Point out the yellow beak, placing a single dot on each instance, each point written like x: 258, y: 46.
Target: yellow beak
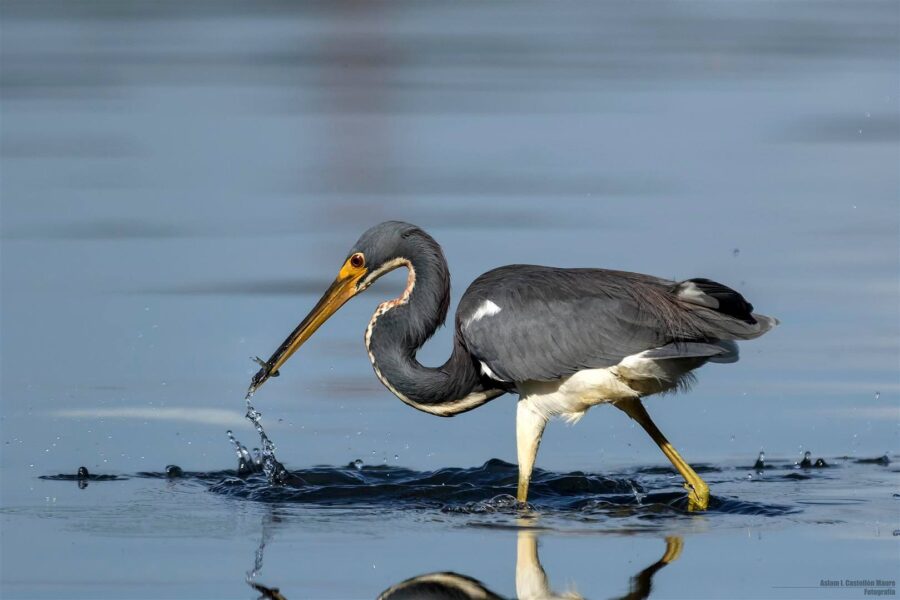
x: 343, y: 288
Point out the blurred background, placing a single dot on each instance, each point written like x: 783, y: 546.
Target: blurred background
x: 180, y: 181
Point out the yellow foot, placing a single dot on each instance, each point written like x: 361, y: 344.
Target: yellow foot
x: 698, y: 495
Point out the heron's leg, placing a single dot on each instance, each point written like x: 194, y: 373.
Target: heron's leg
x: 531, y: 580
x: 642, y: 583
x: 674, y: 546
x: 529, y: 429
x: 698, y: 491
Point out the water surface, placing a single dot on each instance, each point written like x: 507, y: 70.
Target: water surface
x: 180, y: 182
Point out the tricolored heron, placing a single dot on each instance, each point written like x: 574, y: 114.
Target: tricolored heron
x: 563, y: 339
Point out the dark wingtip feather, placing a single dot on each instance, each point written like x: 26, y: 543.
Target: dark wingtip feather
x: 717, y: 296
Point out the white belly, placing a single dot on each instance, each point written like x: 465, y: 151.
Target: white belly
x: 650, y: 372
x: 571, y: 396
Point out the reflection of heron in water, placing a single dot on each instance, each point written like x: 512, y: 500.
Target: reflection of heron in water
x: 531, y: 580
x: 266, y: 593
x: 643, y: 581
x: 563, y: 339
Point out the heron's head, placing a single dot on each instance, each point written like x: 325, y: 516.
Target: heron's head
x: 379, y: 250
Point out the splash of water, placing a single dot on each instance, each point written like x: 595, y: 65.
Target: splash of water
x: 265, y: 459
x: 246, y: 464
x: 760, y: 463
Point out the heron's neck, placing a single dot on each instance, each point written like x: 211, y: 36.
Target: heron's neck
x: 401, y: 326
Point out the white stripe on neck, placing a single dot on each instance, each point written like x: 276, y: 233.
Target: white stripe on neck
x: 444, y: 409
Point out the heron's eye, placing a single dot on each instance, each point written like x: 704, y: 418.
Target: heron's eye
x: 357, y: 261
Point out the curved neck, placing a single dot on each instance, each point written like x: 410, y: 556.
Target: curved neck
x: 401, y: 326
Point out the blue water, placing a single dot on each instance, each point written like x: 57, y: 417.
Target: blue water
x: 181, y: 181
x: 335, y: 520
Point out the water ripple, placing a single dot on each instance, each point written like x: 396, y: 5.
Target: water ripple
x: 486, y: 489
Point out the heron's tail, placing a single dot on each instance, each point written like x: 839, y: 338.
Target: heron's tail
x: 720, y: 312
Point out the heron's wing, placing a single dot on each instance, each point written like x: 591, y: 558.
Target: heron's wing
x: 524, y: 322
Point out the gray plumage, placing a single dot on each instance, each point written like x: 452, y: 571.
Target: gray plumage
x: 554, y: 322
x: 564, y: 339
x: 551, y: 323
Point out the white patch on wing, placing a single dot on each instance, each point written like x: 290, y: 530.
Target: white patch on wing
x: 691, y: 292
x: 487, y: 371
x: 485, y: 310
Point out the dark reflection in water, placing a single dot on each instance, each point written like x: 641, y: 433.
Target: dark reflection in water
x: 532, y: 581
x: 83, y: 477
x: 270, y: 518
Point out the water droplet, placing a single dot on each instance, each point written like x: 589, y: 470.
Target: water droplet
x: 877, y: 396
x: 274, y: 470
x: 638, y: 496
x: 396, y: 457
x: 358, y: 464
x: 760, y: 461
x: 736, y: 252
x: 806, y: 462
